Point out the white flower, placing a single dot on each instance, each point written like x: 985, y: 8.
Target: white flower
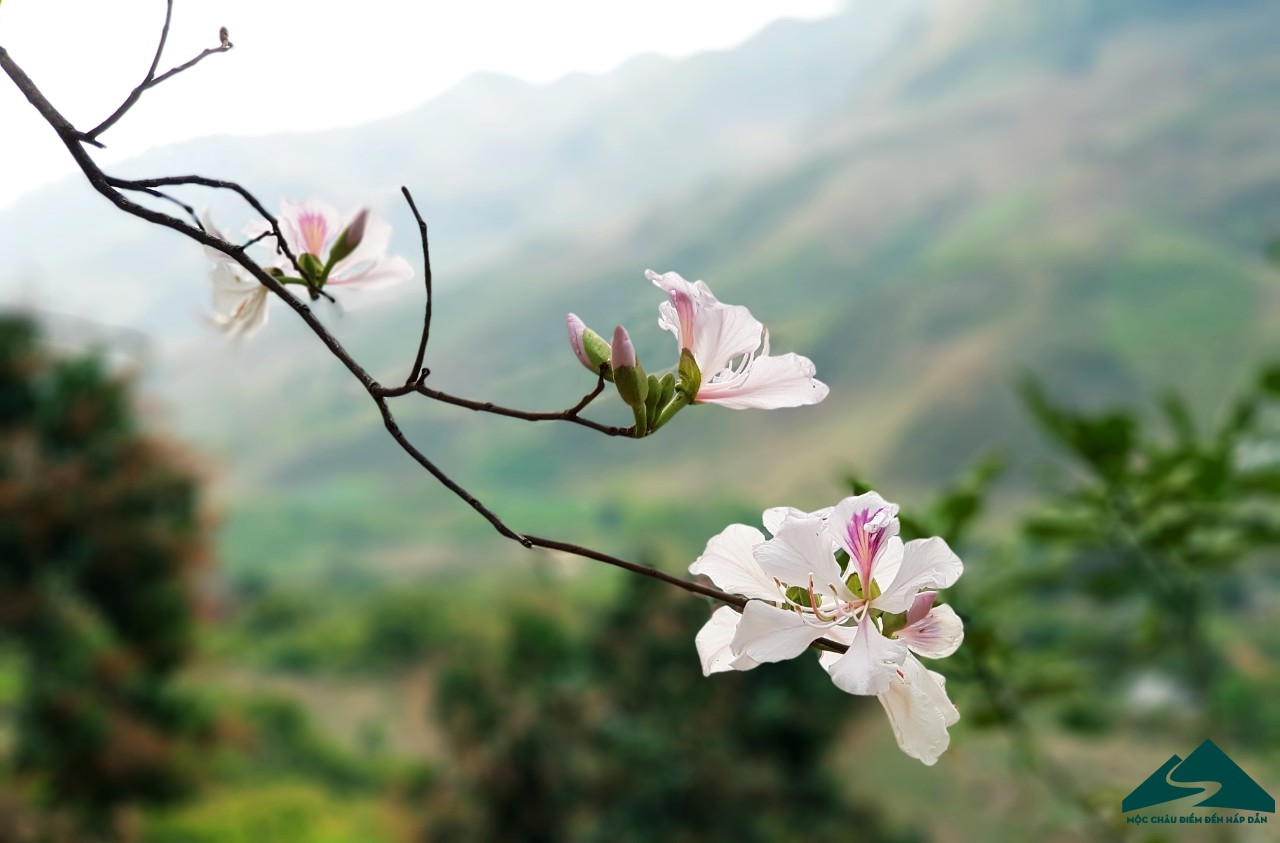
x: 880, y: 605
x: 239, y: 301
x: 731, y: 349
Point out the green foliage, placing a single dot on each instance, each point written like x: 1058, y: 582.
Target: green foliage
x: 616, y: 735
x: 281, y: 812
x: 100, y: 540
x: 1158, y: 529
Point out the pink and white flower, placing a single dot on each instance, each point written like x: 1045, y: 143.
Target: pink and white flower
x: 731, y: 349
x: 880, y: 604
x: 314, y: 228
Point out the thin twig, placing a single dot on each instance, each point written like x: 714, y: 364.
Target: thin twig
x: 219, y: 184
x: 569, y: 415
x: 191, y: 212
x: 151, y: 80
x: 257, y: 239
x: 417, y: 374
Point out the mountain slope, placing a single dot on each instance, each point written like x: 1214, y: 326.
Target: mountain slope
x: 1081, y: 192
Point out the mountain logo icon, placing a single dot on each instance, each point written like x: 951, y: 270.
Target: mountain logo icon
x: 1206, y: 771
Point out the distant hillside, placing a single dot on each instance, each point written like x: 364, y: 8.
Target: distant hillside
x: 977, y: 191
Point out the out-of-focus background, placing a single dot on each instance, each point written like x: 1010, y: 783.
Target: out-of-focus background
x: 1031, y: 247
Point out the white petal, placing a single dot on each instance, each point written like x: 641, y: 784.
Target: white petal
x: 801, y: 553
x: 919, y: 712
x: 887, y: 562
x: 774, y: 516
x: 769, y: 634
x: 728, y: 562
x: 381, y: 273
x: 248, y: 317
x: 926, y: 564
x: 723, y: 333
x: 936, y: 635
x: 770, y: 383
x: 713, y: 642
x: 871, y: 662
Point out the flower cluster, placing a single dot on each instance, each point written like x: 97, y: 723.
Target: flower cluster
x: 842, y: 574
x: 329, y: 252
x: 724, y: 359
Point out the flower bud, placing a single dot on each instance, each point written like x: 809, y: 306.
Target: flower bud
x: 628, y: 375
x: 589, y: 347
x: 350, y: 237
x: 313, y: 272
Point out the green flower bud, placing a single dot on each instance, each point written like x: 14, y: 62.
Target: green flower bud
x: 313, y: 272
x: 628, y: 374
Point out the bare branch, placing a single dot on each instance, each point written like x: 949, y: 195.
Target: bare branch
x: 569, y: 415
x: 417, y: 374
x: 220, y: 184
x: 191, y: 212
x: 151, y: 80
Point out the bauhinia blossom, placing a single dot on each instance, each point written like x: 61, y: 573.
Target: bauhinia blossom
x: 881, y: 604
x: 328, y: 254
x: 239, y: 301
x: 336, y: 253
x: 731, y: 349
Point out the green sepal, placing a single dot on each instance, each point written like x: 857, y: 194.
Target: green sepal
x: 651, y: 401
x: 690, y: 376
x: 668, y: 389
x: 678, y: 402
x: 892, y: 623
x: 313, y: 272
x: 799, y: 596
x: 598, y: 352
x: 632, y: 384
x: 642, y: 421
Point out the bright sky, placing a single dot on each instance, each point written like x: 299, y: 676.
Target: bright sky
x: 314, y: 64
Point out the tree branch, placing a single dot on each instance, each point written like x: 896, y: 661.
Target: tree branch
x: 569, y: 415
x: 151, y: 80
x: 110, y: 187
x: 417, y: 374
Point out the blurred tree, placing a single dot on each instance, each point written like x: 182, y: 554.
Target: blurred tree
x: 100, y: 540
x: 1155, y: 532
x: 613, y: 734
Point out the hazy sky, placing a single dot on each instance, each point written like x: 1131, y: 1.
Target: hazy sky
x: 312, y: 64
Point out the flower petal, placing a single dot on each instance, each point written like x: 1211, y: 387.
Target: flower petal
x: 381, y: 273
x: 799, y: 554
x: 769, y: 634
x: 713, y: 642
x: 919, y: 712
x: 308, y: 226
x: 926, y: 564
x: 936, y: 635
x: 774, y: 516
x: 729, y: 563
x: 863, y: 525
x: 723, y: 333
x: 770, y: 383
x: 871, y: 662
